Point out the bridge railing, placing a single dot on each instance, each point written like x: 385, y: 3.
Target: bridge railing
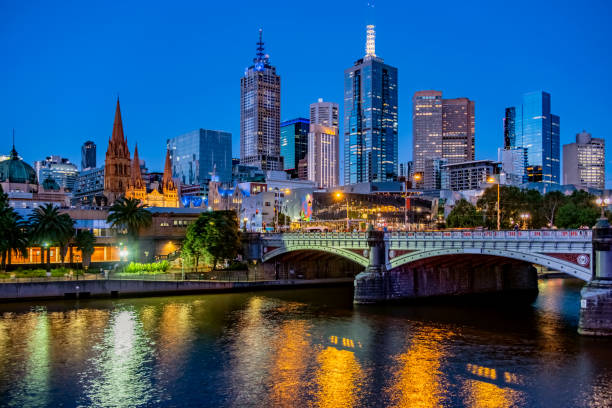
x: 563, y: 235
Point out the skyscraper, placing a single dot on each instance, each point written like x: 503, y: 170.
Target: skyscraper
x: 324, y: 113
x: 509, y: 129
x: 370, y: 118
x: 426, y: 129
x: 88, y: 155
x: 323, y: 147
x: 294, y: 143
x: 584, y: 162
x: 441, y: 128
x: 260, y: 113
x: 458, y: 126
x: 197, y: 154
x: 538, y: 131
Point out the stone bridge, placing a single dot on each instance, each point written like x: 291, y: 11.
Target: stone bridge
x: 409, y: 265
x: 568, y: 251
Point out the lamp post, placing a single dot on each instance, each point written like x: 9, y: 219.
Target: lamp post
x: 339, y: 196
x: 602, y: 203
x: 417, y: 178
x: 492, y: 180
x: 525, y: 217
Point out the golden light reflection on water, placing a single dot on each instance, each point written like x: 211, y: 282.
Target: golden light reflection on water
x: 339, y: 378
x: 175, y: 333
x: 293, y: 352
x: 418, y: 380
x: 36, y: 381
x: 481, y: 394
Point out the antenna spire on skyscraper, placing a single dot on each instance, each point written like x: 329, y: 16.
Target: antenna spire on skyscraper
x: 370, y: 41
x: 260, y: 56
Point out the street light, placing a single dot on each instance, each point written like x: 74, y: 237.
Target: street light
x: 339, y: 196
x: 492, y: 180
x: 525, y: 217
x: 602, y: 203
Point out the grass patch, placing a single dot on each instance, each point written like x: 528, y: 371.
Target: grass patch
x: 40, y: 273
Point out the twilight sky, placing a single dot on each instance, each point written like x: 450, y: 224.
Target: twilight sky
x: 177, y: 65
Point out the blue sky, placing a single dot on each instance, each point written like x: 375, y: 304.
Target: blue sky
x: 177, y: 65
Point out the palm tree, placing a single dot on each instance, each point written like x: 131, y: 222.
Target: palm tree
x: 130, y: 215
x: 84, y: 240
x: 49, y: 227
x: 13, y: 235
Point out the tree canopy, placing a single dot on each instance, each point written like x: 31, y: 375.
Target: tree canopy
x: 464, y: 215
x: 213, y: 237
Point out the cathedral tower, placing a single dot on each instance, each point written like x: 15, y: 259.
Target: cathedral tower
x: 117, y: 166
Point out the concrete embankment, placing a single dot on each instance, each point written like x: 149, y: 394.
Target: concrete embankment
x: 116, y: 288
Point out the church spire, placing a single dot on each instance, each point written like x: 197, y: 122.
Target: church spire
x: 137, y: 181
x: 117, y: 125
x: 167, y: 180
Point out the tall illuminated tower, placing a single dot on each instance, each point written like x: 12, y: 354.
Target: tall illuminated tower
x: 370, y: 118
x: 260, y: 113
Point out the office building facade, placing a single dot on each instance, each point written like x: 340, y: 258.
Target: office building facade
x: 197, y: 155
x: 89, y: 188
x: 294, y: 143
x: 370, y: 118
x: 513, y: 165
x: 59, y: 169
x: 324, y: 113
x: 323, y: 163
x: 537, y: 130
x: 441, y: 128
x: 472, y: 175
x: 88, y: 155
x: 584, y: 162
x: 260, y: 89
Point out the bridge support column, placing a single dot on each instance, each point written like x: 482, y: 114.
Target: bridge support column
x: 373, y: 284
x: 596, y: 296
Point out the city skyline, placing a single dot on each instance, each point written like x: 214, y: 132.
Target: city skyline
x: 71, y: 112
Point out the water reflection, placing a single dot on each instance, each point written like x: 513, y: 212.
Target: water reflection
x: 305, y: 348
x: 120, y: 375
x: 338, y: 377
x: 418, y: 380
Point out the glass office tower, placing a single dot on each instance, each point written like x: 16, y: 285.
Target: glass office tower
x: 260, y: 114
x: 199, y: 153
x: 538, y: 132
x: 370, y: 118
x: 294, y: 143
x: 88, y: 155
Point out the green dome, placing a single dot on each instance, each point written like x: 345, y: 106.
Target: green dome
x: 15, y: 170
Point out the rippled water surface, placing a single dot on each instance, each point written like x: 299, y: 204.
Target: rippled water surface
x: 300, y: 348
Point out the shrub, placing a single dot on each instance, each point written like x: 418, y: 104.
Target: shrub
x: 147, y: 268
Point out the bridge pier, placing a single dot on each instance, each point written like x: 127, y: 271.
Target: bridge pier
x: 373, y: 284
x: 596, y: 296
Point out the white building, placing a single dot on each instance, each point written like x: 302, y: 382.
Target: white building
x: 584, y: 162
x: 513, y: 165
x: 323, y: 160
x: 471, y: 175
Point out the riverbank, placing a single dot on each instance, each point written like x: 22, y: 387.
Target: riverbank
x: 74, y: 289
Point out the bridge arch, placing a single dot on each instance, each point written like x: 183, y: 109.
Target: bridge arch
x: 344, y: 253
x: 582, y: 273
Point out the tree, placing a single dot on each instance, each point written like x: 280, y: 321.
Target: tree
x: 464, y: 215
x: 551, y: 202
x: 13, y: 232
x: 213, y: 236
x: 513, y: 202
x: 48, y: 227
x: 580, y: 210
x: 130, y: 215
x: 223, y: 237
x: 193, y: 249
x: 84, y: 240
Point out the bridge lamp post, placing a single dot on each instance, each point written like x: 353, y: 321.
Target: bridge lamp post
x: 602, y: 203
x: 492, y: 180
x: 525, y: 217
x: 339, y: 196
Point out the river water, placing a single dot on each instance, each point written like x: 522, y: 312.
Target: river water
x: 308, y: 347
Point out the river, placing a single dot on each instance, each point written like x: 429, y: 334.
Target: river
x: 302, y: 348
